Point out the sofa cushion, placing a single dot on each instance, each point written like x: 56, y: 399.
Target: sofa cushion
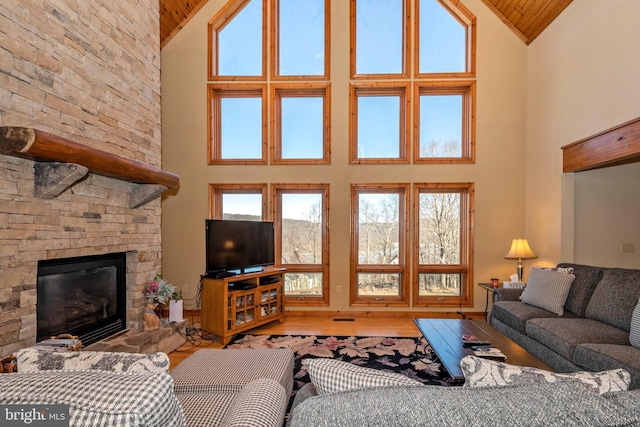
x: 228, y: 370
x: 563, y: 335
x: 547, y: 289
x: 33, y: 360
x: 615, y: 297
x: 261, y: 403
x: 330, y: 376
x: 595, y: 357
x: 516, y: 314
x: 529, y: 405
x: 205, y: 409
x: 98, y: 398
x: 587, y: 278
x: 634, y: 329
x: 479, y: 372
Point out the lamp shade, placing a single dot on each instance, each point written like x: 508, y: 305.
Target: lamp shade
x: 520, y: 250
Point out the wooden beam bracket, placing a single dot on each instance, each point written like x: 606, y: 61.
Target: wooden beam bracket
x: 141, y: 194
x: 61, y: 163
x: 53, y: 178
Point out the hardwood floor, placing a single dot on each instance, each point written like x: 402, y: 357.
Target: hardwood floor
x: 378, y: 326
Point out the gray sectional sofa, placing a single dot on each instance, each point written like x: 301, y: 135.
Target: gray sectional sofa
x: 592, y: 333
x: 494, y: 394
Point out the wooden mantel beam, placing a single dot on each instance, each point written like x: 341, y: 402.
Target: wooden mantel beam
x: 42, y: 146
x: 615, y: 146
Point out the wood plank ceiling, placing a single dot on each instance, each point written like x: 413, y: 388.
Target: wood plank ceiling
x: 526, y: 18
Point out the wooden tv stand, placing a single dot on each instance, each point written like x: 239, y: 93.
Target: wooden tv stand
x: 226, y: 311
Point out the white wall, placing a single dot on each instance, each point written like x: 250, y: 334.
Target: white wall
x: 498, y: 172
x: 582, y: 79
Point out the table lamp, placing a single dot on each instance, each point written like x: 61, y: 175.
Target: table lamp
x: 520, y: 250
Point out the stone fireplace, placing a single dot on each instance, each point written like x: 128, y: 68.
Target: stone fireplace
x: 88, y: 72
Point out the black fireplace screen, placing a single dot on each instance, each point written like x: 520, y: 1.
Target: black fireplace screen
x: 84, y: 296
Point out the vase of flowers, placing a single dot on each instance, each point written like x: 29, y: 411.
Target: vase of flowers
x: 157, y: 291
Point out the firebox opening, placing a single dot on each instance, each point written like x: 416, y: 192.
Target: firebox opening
x: 84, y: 296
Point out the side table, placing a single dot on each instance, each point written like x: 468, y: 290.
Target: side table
x: 489, y: 288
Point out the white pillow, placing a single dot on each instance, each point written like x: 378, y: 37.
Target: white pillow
x: 548, y: 289
x: 329, y: 375
x: 479, y: 372
x: 634, y: 329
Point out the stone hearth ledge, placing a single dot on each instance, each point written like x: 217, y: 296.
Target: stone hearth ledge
x: 166, y: 339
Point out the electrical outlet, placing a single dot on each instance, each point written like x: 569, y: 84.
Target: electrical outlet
x: 185, y: 288
x: 339, y: 289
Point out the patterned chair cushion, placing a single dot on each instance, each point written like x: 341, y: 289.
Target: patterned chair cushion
x: 330, y: 376
x: 634, y: 329
x: 228, y: 370
x: 34, y: 360
x: 261, y: 403
x: 547, y: 289
x: 480, y: 372
x: 98, y: 398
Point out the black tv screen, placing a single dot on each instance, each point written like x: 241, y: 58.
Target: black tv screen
x: 234, y: 246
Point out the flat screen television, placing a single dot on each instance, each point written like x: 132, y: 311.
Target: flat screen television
x: 234, y: 246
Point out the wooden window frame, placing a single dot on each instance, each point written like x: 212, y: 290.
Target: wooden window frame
x: 464, y: 16
x: 275, y: 48
x: 216, y: 24
x: 406, y: 34
x: 465, y: 268
x: 217, y: 191
x: 276, y: 212
x: 215, y: 93
x: 400, y: 89
x: 465, y: 88
x: 402, y: 268
x: 278, y: 91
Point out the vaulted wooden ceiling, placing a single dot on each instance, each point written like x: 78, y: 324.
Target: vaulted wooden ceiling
x: 526, y: 18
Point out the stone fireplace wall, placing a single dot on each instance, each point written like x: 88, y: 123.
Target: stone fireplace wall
x: 88, y: 71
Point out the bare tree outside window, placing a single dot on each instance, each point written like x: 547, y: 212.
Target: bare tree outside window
x: 378, y: 242
x: 302, y: 240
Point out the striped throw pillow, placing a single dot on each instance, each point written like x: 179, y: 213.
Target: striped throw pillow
x: 634, y: 330
x: 548, y: 290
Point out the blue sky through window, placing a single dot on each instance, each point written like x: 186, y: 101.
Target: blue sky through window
x: 379, y: 27
x: 240, y: 43
x: 302, y: 121
x: 301, y: 39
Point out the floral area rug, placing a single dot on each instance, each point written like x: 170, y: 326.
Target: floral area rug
x: 412, y: 357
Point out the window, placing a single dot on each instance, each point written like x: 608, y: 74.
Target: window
x: 443, y: 38
x: 237, y: 119
x: 381, y: 33
x: 443, y: 236
x: 302, y: 38
x: 238, y: 201
x: 442, y: 50
x: 445, y: 114
x: 302, y: 240
x: 238, y: 20
x: 379, y: 129
x: 379, y: 233
x: 243, y: 96
x: 302, y: 123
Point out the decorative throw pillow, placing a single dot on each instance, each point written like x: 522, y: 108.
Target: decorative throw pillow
x: 479, y: 372
x: 329, y: 375
x: 563, y: 270
x: 548, y: 290
x: 634, y: 330
x: 33, y: 360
